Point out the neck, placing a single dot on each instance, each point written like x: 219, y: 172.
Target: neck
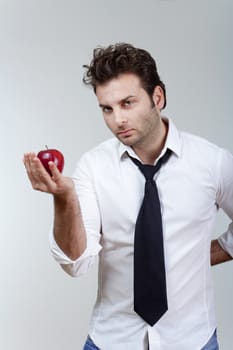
x: 150, y: 150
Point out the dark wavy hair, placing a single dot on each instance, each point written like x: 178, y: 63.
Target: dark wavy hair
x: 111, y: 61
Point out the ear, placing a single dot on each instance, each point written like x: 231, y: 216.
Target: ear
x: 158, y: 97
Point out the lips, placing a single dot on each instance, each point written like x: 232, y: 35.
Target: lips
x: 126, y: 132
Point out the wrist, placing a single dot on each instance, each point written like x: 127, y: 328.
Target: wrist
x: 67, y: 196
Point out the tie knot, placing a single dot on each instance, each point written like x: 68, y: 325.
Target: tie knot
x: 149, y: 170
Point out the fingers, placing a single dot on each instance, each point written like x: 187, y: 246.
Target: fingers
x: 37, y: 174
x: 33, y: 166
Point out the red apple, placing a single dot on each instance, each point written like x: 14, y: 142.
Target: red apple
x: 53, y: 155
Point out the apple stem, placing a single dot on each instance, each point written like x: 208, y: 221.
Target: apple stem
x: 46, y: 147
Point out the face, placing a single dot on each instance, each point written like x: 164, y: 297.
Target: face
x: 129, y: 112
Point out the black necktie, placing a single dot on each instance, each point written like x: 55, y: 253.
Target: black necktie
x: 150, y: 293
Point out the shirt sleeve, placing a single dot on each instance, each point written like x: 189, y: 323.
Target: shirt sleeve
x: 85, y: 189
x: 225, y: 198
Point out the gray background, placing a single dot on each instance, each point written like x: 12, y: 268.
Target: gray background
x: 43, y: 45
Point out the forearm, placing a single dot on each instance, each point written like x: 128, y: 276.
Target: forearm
x: 218, y: 254
x: 69, y: 231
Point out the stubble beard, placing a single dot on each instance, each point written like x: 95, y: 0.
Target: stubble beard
x: 130, y: 140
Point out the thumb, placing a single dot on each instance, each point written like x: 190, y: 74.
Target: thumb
x: 54, y: 171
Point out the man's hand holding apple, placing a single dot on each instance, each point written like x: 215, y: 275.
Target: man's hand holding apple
x: 50, y: 180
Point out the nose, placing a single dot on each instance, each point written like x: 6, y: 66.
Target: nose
x: 120, y: 117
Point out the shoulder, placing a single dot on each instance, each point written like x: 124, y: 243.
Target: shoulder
x: 197, y: 145
x: 106, y: 152
x: 107, y: 148
x: 201, y: 153
x: 198, y: 141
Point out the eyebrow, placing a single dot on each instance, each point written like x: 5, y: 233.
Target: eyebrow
x: 121, y: 101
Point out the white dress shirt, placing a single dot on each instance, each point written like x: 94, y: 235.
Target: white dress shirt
x: 196, y: 181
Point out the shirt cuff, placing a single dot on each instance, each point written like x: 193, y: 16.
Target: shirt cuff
x: 74, y: 267
x: 226, y: 240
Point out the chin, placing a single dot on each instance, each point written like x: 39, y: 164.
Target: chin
x: 127, y: 141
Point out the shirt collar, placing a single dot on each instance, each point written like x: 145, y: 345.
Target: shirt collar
x: 173, y: 142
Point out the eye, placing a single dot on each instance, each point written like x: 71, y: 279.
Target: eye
x: 127, y: 103
x: 106, y: 109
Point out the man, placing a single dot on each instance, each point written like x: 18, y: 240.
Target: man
x: 96, y: 211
